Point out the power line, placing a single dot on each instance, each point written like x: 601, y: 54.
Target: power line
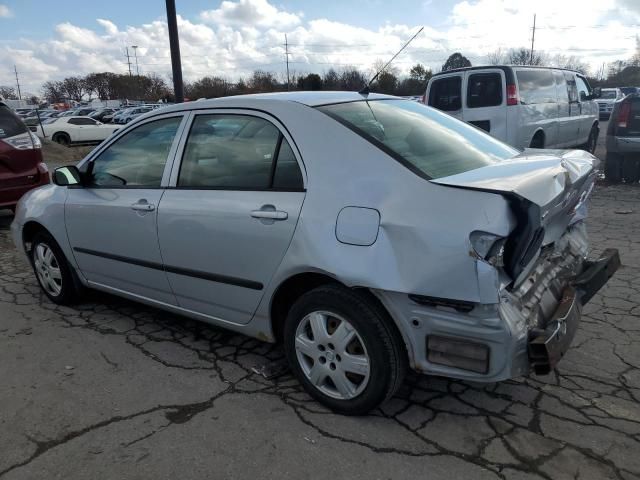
x: 533, y: 38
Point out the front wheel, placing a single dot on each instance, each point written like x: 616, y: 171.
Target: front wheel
x: 52, y: 270
x: 344, y: 349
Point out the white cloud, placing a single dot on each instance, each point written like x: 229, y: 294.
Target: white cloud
x: 5, y: 12
x: 243, y: 35
x: 251, y: 13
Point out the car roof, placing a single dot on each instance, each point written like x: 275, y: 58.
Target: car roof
x: 311, y: 99
x: 502, y: 67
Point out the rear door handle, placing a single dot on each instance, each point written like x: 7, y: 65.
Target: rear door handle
x: 143, y: 206
x: 270, y: 214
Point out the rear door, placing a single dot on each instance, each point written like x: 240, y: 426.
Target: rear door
x: 588, y: 109
x: 485, y: 104
x: 227, y: 223
x: 564, y: 113
x: 575, y: 110
x: 445, y: 93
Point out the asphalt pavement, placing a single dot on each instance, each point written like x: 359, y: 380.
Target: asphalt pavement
x: 110, y: 389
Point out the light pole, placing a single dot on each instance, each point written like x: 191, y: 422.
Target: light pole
x: 174, y: 45
x: 135, y: 53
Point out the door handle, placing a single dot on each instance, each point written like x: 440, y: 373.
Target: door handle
x: 269, y: 212
x: 143, y: 206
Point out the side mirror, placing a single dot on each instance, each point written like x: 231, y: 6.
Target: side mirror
x: 596, y: 93
x: 66, y: 176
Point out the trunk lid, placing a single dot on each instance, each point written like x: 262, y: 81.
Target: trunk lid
x: 546, y: 190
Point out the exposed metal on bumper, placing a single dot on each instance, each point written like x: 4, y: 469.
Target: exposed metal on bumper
x: 547, y: 346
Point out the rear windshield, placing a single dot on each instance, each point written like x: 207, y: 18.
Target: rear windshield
x: 10, y: 123
x: 430, y: 143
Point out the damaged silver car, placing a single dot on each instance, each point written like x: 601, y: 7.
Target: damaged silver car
x: 366, y: 233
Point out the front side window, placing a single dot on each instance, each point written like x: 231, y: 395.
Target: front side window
x: 446, y: 94
x: 237, y: 152
x: 583, y: 89
x: 136, y: 159
x: 428, y: 142
x: 484, y: 90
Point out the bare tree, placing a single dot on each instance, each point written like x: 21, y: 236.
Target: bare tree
x: 8, y: 92
x: 497, y: 57
x: 522, y: 56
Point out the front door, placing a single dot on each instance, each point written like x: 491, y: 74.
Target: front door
x: 575, y: 111
x: 225, y: 227
x: 111, y: 220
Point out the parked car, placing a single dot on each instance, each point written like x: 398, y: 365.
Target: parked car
x: 526, y: 107
x: 101, y: 113
x: 21, y: 165
x: 623, y: 141
x: 410, y: 238
x: 25, y: 112
x: 608, y: 97
x: 85, y: 111
x: 39, y: 116
x: 74, y: 130
x: 132, y: 114
x: 116, y: 117
x: 629, y: 90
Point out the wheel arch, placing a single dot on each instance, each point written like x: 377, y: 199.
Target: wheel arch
x: 539, y: 133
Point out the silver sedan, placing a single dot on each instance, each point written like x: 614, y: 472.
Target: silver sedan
x: 368, y: 234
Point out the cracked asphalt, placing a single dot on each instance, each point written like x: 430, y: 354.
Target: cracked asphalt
x: 113, y: 389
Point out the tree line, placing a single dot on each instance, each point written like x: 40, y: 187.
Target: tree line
x: 152, y: 87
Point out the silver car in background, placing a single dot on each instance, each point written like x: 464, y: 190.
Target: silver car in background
x: 365, y: 233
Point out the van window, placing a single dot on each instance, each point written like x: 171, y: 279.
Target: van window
x: 446, y: 93
x: 536, y: 86
x: 484, y: 90
x: 571, y: 87
x: 582, y: 86
x: 561, y: 87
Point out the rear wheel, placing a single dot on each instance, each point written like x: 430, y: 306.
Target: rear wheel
x: 52, y: 270
x: 537, y: 141
x: 630, y: 170
x: 62, y: 139
x: 613, y: 168
x: 592, y: 141
x: 343, y: 349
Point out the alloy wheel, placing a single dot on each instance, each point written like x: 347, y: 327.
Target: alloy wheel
x: 332, y: 355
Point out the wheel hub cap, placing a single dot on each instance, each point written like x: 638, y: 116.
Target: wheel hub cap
x: 48, y: 269
x: 332, y: 355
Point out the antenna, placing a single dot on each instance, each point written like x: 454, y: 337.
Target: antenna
x: 365, y: 89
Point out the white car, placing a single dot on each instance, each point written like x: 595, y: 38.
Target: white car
x: 526, y: 107
x: 608, y: 97
x: 73, y: 130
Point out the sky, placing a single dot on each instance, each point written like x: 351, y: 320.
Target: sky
x: 52, y: 39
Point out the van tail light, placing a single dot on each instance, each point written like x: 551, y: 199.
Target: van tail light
x: 24, y: 141
x: 623, y: 117
x: 512, y: 95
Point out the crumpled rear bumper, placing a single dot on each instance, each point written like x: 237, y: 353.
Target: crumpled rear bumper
x: 547, y: 346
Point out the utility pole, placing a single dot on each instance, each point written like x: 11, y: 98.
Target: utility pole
x: 17, y: 83
x: 174, y: 44
x: 286, y: 50
x: 135, y: 53
x: 128, y: 60
x: 533, y: 38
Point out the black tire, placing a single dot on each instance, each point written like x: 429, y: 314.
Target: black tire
x: 613, y: 168
x: 537, y: 141
x: 631, y: 170
x: 592, y: 141
x: 62, y: 139
x: 69, y: 285
x: 381, y: 342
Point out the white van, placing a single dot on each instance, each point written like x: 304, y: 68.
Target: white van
x: 526, y: 107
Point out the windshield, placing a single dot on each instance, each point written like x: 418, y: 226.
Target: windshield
x: 431, y: 143
x: 608, y: 94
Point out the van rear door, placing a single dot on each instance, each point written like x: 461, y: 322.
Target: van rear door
x: 445, y: 93
x: 485, y: 103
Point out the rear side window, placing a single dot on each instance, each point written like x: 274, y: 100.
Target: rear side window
x: 536, y: 86
x: 10, y: 123
x: 238, y: 152
x: 484, y: 90
x: 561, y: 87
x: 430, y: 143
x: 82, y: 121
x: 446, y: 94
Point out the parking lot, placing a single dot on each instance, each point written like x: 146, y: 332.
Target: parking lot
x: 113, y: 389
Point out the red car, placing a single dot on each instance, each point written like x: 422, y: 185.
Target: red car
x: 21, y: 166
